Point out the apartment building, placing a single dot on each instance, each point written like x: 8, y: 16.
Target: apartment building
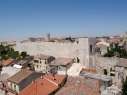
x: 41, y: 63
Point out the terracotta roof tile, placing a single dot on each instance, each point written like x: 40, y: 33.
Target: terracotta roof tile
x: 91, y: 70
x: 7, y: 62
x: 43, y: 86
x: 80, y: 86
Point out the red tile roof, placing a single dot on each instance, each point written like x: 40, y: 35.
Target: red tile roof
x: 7, y: 62
x: 43, y: 86
x: 91, y: 70
x: 80, y: 86
x: 58, y: 78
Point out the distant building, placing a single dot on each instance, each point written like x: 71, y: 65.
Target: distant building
x: 102, y: 47
x: 25, y: 62
x: 21, y: 80
x: 8, y: 72
x: 114, y: 67
x: 113, y: 90
x: 120, y: 72
x: 8, y: 43
x: 48, y: 37
x: 62, y: 64
x: 105, y: 81
x: 41, y: 63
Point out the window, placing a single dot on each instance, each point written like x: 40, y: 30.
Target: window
x: 37, y: 66
x: 36, y: 61
x: 105, y: 72
x: 78, y: 60
x: 91, y: 48
x: 77, y: 42
x: 14, y: 86
x: 110, y: 69
x: 111, y: 74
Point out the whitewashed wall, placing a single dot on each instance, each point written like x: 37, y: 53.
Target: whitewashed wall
x: 105, y: 63
x: 57, y: 49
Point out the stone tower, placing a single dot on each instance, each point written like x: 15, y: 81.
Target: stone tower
x: 48, y: 37
x: 86, y: 48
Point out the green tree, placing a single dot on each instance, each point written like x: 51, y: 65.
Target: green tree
x: 7, y: 52
x: 116, y: 50
x: 23, y: 54
x: 15, y: 54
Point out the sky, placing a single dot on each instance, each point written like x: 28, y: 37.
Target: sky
x: 20, y: 19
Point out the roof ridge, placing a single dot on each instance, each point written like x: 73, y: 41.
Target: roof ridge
x: 51, y: 81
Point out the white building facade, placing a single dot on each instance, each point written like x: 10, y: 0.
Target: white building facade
x: 80, y: 50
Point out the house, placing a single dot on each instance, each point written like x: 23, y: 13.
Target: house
x: 101, y: 47
x: 41, y: 63
x: 45, y: 85
x: 113, y: 90
x: 120, y: 72
x: 21, y: 80
x: 25, y: 63
x: 7, y: 72
x: 114, y: 67
x: 106, y: 65
x: 62, y: 64
x: 105, y: 81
